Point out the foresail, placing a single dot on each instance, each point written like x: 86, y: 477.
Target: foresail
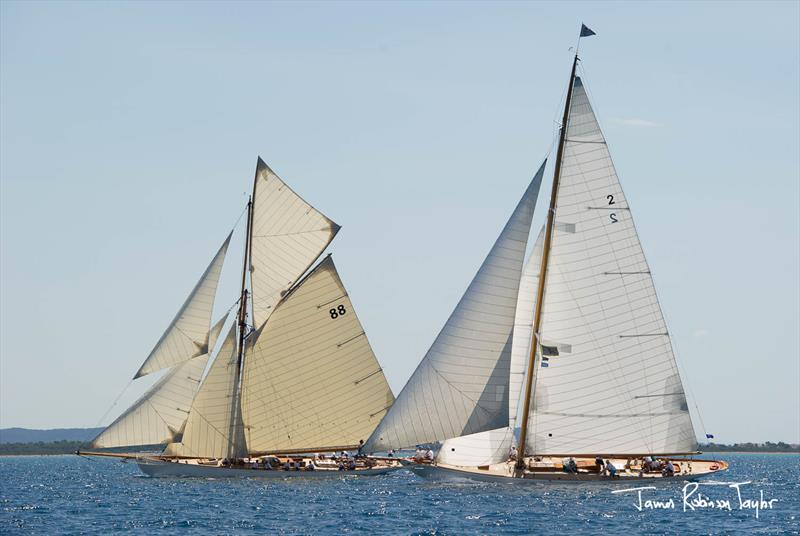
x: 607, y: 381
x: 461, y: 385
x: 187, y: 335
x: 287, y: 237
x: 311, y: 379
x: 484, y: 448
x: 213, y: 428
x: 158, y: 416
x: 523, y: 330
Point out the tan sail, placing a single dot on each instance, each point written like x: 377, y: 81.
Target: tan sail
x: 186, y: 336
x: 311, y: 379
x: 288, y: 235
x: 212, y: 428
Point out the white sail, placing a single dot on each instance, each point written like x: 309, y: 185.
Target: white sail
x: 484, y: 448
x: 614, y: 386
x: 311, y: 379
x: 523, y: 330
x: 158, y: 416
x: 461, y: 385
x: 187, y: 335
x: 288, y: 235
x: 213, y: 428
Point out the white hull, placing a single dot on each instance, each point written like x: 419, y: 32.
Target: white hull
x: 504, y: 472
x: 159, y: 468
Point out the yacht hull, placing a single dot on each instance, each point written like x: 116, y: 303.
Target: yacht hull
x: 505, y: 472
x: 160, y: 468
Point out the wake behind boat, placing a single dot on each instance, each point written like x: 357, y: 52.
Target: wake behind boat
x: 295, y: 374
x: 571, y: 347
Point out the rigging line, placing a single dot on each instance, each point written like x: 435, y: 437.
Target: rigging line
x: 114, y: 403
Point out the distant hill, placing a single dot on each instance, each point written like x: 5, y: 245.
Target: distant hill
x: 26, y: 435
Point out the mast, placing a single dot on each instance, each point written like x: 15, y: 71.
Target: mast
x: 242, y: 321
x: 537, y: 318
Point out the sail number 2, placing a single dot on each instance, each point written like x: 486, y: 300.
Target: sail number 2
x: 338, y: 311
x: 613, y: 215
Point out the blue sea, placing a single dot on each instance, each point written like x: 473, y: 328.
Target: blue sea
x: 72, y: 495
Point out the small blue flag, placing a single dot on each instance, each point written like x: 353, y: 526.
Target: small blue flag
x: 709, y: 436
x: 586, y: 31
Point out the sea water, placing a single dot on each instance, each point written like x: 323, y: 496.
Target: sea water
x: 73, y: 495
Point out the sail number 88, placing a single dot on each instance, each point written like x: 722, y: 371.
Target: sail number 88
x: 337, y: 312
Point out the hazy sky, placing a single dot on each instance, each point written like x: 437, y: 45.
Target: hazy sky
x: 129, y: 134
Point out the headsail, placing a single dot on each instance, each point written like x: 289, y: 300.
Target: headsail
x: 158, y: 416
x: 311, y: 379
x: 611, y: 384
x: 212, y: 428
x: 187, y: 335
x: 287, y: 237
x: 461, y: 385
x: 523, y: 327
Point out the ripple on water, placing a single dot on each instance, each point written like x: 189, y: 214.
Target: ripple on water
x: 67, y: 494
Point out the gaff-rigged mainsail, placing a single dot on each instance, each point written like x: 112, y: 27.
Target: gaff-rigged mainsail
x: 461, y: 385
x: 611, y: 384
x: 311, y: 380
x: 187, y: 335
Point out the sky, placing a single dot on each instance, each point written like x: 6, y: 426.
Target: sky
x: 129, y: 134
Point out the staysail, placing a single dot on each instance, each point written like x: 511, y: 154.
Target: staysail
x: 311, y: 380
x: 187, y: 335
x: 288, y: 235
x: 461, y: 385
x: 606, y: 380
x: 158, y: 416
x: 523, y: 328
x: 213, y: 427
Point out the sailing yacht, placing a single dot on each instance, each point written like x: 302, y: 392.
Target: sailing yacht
x: 570, y: 348
x: 294, y: 376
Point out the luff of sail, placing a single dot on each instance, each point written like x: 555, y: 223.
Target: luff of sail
x: 158, y: 416
x: 311, y: 380
x: 212, y: 427
x: 461, y: 385
x: 618, y: 390
x: 288, y: 235
x: 187, y: 335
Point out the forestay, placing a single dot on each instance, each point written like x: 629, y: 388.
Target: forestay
x: 187, y: 335
x: 461, y: 385
x: 287, y: 237
x: 613, y: 386
x: 311, y: 379
x: 214, y: 427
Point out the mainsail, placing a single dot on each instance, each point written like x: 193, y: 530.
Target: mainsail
x: 606, y: 380
x: 311, y: 379
x: 187, y: 335
x: 461, y: 385
x: 287, y: 236
x: 213, y: 427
